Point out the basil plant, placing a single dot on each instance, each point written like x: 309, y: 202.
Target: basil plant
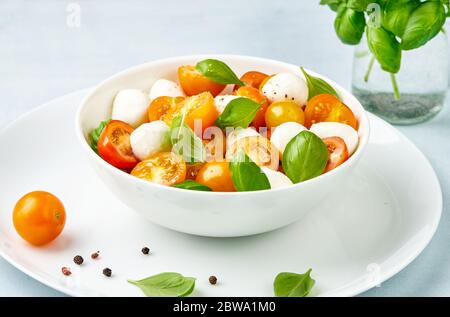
x: 391, y: 26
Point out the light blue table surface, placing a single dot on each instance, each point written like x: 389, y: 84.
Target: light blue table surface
x: 41, y: 58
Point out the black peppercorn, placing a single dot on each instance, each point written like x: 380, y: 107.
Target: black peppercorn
x: 78, y: 259
x: 107, y: 272
x: 145, y: 250
x: 95, y: 255
x: 212, y: 280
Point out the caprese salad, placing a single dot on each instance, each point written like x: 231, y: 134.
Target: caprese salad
x: 214, y: 131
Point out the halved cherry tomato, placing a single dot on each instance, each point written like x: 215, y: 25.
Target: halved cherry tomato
x: 199, y: 107
x: 258, y: 149
x: 39, y: 217
x: 114, y: 145
x: 161, y: 105
x: 337, y: 150
x: 193, y: 82
x: 284, y: 111
x: 217, y: 176
x: 326, y: 107
x: 165, y: 168
x: 255, y: 95
x: 252, y: 79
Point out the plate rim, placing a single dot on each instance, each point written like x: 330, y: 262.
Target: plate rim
x: 351, y: 289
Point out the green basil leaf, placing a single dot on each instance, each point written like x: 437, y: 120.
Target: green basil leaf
x: 239, y: 112
x: 349, y: 25
x: 166, y: 285
x: 333, y: 4
x: 246, y: 175
x: 396, y: 14
x: 192, y: 185
x: 358, y: 5
x: 317, y: 86
x: 425, y: 22
x: 385, y: 47
x: 95, y: 135
x: 218, y: 72
x: 293, y: 285
x: 185, y: 143
x: 304, y: 157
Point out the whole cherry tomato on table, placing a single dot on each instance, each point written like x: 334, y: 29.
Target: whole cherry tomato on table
x: 114, y: 145
x: 39, y: 217
x: 328, y: 108
x: 193, y: 82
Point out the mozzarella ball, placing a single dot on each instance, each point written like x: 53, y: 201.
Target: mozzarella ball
x: 130, y: 106
x: 344, y: 131
x: 164, y: 87
x: 276, y: 179
x: 150, y: 138
x: 238, y: 134
x: 284, y: 133
x: 222, y: 101
x: 286, y: 86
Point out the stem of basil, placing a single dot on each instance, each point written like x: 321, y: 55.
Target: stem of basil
x: 369, y: 69
x: 395, y: 87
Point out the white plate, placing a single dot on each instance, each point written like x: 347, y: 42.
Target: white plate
x: 363, y: 234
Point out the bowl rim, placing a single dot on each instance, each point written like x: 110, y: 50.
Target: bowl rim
x: 363, y: 140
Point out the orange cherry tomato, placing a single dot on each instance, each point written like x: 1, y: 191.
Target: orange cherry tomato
x: 217, y: 176
x: 258, y: 149
x: 161, y: 105
x: 252, y: 79
x: 326, y: 107
x: 284, y: 111
x: 255, y: 95
x: 39, y: 217
x: 165, y: 168
x: 193, y: 82
x: 200, y: 107
x: 337, y: 150
x: 114, y: 145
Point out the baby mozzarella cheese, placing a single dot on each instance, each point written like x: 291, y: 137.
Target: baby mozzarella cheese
x: 238, y: 134
x: 150, y: 138
x: 130, y: 106
x: 164, y: 87
x: 344, y: 131
x: 222, y: 101
x: 284, y: 133
x: 276, y: 179
x: 286, y: 86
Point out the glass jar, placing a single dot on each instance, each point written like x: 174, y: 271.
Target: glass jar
x: 422, y: 82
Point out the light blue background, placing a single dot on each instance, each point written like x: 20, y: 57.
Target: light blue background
x: 42, y: 58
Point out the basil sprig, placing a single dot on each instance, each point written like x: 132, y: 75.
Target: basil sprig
x: 239, y: 112
x: 317, y: 86
x: 167, y: 284
x: 192, y: 185
x: 95, y: 135
x: 246, y: 175
x: 395, y: 15
x: 185, y: 143
x: 218, y: 72
x: 425, y: 22
x: 349, y: 25
x: 304, y: 157
x: 293, y: 285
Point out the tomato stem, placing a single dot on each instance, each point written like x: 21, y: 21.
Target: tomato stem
x: 369, y: 69
x: 395, y: 87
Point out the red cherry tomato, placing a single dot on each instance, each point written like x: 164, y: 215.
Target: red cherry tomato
x: 338, y: 152
x: 114, y: 145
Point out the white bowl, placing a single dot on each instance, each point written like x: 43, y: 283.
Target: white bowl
x: 214, y: 214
